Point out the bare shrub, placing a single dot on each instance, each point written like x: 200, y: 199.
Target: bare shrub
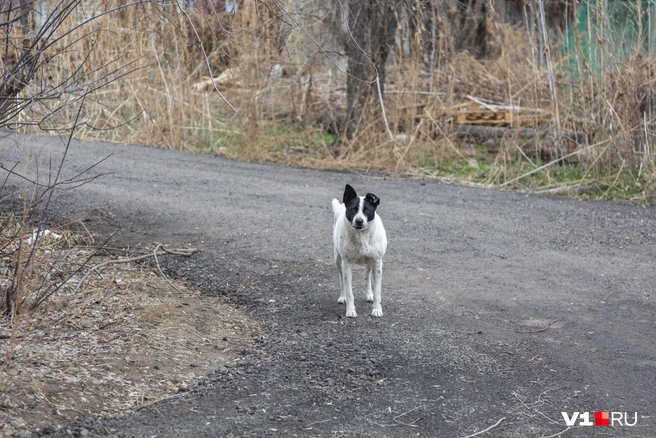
x: 41, y: 86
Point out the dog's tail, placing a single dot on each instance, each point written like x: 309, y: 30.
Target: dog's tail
x: 336, y: 205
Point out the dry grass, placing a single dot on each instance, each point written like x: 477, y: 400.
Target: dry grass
x: 288, y: 88
x: 126, y: 339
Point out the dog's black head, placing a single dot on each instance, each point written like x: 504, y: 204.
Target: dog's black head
x: 360, y: 210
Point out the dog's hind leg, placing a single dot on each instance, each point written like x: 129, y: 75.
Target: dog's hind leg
x: 367, y: 277
x: 338, y: 264
x: 377, y: 280
x: 348, y: 291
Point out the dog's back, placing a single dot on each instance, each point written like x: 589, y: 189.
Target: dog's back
x: 338, y: 207
x: 339, y: 211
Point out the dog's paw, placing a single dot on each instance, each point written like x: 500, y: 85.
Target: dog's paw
x: 351, y: 314
x: 370, y: 298
x: 377, y: 313
x: 341, y: 300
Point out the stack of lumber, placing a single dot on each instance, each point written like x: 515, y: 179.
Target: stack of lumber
x: 480, y: 113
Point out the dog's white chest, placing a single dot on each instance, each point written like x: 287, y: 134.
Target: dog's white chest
x: 362, y: 248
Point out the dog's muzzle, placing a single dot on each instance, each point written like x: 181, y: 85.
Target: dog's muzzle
x: 358, y: 224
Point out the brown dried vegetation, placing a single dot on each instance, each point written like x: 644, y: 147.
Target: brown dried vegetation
x: 280, y: 90
x: 127, y: 339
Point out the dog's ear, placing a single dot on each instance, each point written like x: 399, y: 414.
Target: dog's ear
x: 349, y: 194
x: 372, y: 199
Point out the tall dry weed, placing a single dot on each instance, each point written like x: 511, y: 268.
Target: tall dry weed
x: 288, y: 70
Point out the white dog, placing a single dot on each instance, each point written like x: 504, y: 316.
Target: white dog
x: 360, y: 239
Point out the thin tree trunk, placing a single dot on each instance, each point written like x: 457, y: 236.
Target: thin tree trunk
x: 372, y: 26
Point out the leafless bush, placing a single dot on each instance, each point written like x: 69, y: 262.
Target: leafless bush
x: 38, y: 88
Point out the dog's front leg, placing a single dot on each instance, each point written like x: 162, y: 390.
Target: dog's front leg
x: 342, y: 293
x: 367, y: 277
x: 348, y: 290
x: 377, y: 280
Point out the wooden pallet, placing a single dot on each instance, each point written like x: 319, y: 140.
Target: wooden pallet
x: 477, y: 113
x: 483, y: 114
x: 484, y: 117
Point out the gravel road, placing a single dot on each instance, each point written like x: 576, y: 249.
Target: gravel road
x: 502, y: 309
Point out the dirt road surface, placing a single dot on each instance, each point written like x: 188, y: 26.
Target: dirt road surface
x: 501, y: 310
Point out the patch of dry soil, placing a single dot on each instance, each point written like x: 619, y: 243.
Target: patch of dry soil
x: 124, y: 340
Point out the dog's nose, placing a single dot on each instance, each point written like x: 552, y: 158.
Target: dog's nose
x: 359, y: 223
